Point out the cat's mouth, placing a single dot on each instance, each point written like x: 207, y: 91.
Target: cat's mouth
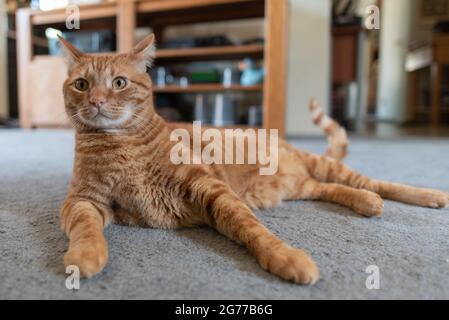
x: 101, y: 115
x: 102, y: 120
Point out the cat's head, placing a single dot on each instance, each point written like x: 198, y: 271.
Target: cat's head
x: 108, y: 92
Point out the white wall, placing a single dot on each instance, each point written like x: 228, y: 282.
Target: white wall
x: 309, y: 62
x: 395, y: 37
x: 3, y: 66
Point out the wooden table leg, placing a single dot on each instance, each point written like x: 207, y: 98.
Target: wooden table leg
x: 436, y: 95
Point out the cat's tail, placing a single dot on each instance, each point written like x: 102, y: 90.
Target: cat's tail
x: 336, y: 135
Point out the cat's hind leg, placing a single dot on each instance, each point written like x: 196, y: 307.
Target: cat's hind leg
x: 294, y: 181
x: 329, y: 170
x: 225, y: 211
x: 363, y: 202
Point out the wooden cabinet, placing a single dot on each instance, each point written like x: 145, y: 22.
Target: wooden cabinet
x: 440, y: 60
x: 433, y: 59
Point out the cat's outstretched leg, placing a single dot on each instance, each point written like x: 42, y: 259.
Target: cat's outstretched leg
x: 83, y: 223
x: 330, y: 170
x: 363, y: 202
x: 227, y: 213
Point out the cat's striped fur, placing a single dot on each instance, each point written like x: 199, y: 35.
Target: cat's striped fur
x: 123, y: 173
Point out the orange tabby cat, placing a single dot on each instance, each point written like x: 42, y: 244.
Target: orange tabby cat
x: 123, y: 173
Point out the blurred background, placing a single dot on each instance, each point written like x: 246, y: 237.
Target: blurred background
x: 378, y: 67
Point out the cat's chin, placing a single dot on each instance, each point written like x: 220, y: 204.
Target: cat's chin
x: 101, y: 122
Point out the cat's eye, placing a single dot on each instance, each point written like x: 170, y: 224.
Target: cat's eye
x: 119, y: 83
x: 81, y: 84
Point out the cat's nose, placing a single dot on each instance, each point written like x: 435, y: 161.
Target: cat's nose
x: 97, y: 101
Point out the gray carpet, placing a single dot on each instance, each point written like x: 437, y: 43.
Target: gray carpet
x: 409, y: 245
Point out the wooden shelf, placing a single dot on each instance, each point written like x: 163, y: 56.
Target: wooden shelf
x: 202, y: 54
x: 211, y: 53
x: 168, y: 5
x: 178, y: 12
x: 199, y: 88
x: 107, y: 10
x: 93, y: 11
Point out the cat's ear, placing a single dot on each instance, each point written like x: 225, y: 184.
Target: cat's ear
x: 145, y: 50
x: 70, y: 52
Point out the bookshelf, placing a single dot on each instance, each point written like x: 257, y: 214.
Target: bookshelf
x: 38, y: 72
x: 199, y: 88
x: 207, y: 53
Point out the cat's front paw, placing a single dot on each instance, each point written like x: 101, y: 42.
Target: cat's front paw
x: 369, y: 205
x: 90, y: 258
x: 291, y: 264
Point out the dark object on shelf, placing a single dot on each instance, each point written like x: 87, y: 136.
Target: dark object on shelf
x: 231, y: 76
x: 344, y: 13
x: 174, y: 108
x: 344, y: 8
x: 445, y: 97
x: 169, y: 114
x: 194, y: 42
x: 212, y: 76
x: 223, y: 111
x: 255, y: 116
x: 161, y: 78
x: 253, y: 41
x: 441, y: 27
x: 202, y: 110
x: 87, y: 41
x: 347, y: 21
x: 251, y: 75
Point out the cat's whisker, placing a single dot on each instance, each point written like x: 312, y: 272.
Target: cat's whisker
x: 142, y: 122
x: 76, y: 118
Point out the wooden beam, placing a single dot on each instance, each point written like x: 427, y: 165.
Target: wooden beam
x: 276, y: 22
x: 87, y: 12
x: 126, y: 23
x: 166, y: 5
x: 24, y: 56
